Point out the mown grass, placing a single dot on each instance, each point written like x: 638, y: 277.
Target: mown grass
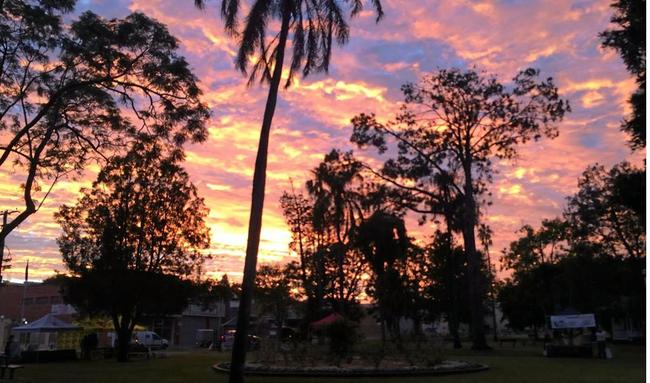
x: 507, y: 364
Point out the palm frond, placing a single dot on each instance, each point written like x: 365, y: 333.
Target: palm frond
x: 314, y: 25
x: 230, y: 14
x: 254, y: 32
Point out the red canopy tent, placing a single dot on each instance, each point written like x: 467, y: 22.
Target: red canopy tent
x: 332, y: 318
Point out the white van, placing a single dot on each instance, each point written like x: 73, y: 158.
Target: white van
x: 148, y: 339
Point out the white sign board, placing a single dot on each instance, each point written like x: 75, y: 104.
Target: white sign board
x: 573, y: 321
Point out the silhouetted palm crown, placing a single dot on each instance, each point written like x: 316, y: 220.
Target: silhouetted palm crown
x: 315, y: 24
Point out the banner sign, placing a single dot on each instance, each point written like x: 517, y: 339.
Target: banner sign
x: 573, y: 321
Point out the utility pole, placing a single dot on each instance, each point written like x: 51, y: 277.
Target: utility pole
x: 5, y: 215
x: 22, y: 304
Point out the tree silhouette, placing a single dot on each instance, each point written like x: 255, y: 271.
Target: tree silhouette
x: 309, y: 271
x: 445, y: 282
x: 629, y: 39
x: 598, y: 218
x: 131, y: 237
x: 272, y: 293
x: 71, y: 93
x: 585, y: 277
x: 536, y: 246
x: 338, y: 192
x: 383, y: 241
x: 314, y: 25
x: 459, y: 122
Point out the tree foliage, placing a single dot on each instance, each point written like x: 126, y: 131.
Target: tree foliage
x: 629, y: 39
x: 138, y: 229
x: 333, y: 232
x: 336, y: 188
x: 536, y: 246
x: 385, y: 245
x: 307, y: 275
x: 590, y: 260
x: 71, y: 93
x: 445, y: 282
x: 608, y: 286
x: 598, y: 218
x: 273, y: 292
x: 454, y: 124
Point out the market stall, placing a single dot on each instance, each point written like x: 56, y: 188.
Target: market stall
x: 48, y: 338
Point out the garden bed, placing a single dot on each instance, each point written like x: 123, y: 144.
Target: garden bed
x: 443, y: 368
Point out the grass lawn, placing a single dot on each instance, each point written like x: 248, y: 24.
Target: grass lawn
x: 507, y: 364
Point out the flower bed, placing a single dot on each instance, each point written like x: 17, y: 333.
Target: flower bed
x: 443, y: 368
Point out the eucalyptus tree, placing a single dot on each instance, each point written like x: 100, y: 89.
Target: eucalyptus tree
x: 462, y: 121
x: 314, y: 25
x: 74, y: 92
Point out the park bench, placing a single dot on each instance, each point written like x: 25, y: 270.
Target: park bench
x: 139, y: 355
x: 11, y: 368
x: 513, y: 341
x: 448, y: 339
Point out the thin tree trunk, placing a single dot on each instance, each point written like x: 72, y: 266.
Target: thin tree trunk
x: 454, y: 317
x: 2, y: 242
x: 257, y: 206
x: 475, y: 282
x: 492, y: 294
x: 454, y: 314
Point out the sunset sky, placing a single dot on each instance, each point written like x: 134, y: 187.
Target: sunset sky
x: 559, y: 37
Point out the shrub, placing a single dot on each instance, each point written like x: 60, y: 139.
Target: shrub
x: 342, y: 336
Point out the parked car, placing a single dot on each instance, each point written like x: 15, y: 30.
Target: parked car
x: 228, y: 338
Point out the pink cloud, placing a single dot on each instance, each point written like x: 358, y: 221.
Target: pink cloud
x: 501, y: 37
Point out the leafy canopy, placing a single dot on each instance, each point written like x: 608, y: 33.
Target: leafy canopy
x: 629, y: 39
x: 451, y: 127
x: 71, y: 93
x: 142, y: 213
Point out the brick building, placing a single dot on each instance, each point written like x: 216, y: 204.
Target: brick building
x: 30, y: 301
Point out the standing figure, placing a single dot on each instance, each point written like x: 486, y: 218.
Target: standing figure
x: 601, y: 337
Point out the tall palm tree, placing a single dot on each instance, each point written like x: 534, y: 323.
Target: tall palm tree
x: 314, y: 25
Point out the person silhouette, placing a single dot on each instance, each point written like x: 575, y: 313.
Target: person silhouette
x: 10, y: 350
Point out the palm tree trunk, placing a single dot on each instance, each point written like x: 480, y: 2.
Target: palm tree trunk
x: 257, y: 206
